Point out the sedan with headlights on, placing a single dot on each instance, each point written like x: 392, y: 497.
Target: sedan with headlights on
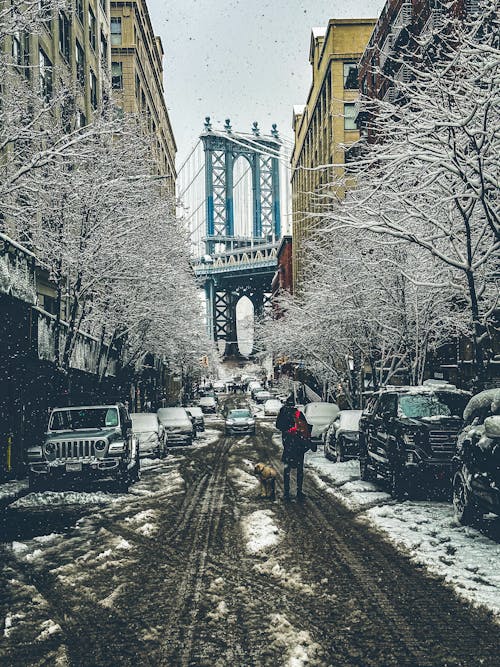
x: 240, y: 421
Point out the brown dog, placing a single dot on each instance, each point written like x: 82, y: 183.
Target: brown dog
x: 267, y: 479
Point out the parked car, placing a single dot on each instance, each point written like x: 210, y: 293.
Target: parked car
x: 254, y: 387
x: 149, y: 433
x: 272, y: 406
x: 262, y: 396
x: 219, y: 387
x: 319, y: 415
x: 342, y: 437
x: 476, y: 482
x: 408, y: 435
x: 239, y: 421
x: 177, y: 424
x: 208, y: 404
x: 86, y: 443
x: 197, y: 414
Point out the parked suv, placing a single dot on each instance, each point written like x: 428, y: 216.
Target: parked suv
x: 408, y: 435
x: 87, y: 443
x: 476, y: 483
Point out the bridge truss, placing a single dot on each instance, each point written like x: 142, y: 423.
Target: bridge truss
x: 234, y: 210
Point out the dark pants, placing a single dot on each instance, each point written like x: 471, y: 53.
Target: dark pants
x: 286, y: 477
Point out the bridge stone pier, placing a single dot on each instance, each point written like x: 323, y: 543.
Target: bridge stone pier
x: 234, y: 266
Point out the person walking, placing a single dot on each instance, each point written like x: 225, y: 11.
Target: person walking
x: 296, y: 433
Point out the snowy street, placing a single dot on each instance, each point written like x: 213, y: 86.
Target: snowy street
x: 192, y: 568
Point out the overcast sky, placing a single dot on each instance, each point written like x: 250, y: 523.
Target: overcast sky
x: 241, y: 59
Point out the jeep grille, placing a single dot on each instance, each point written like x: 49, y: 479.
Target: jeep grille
x: 443, y: 443
x: 75, y: 449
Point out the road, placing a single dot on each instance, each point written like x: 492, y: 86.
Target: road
x: 169, y: 575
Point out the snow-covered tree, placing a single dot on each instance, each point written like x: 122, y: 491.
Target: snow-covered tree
x: 408, y: 258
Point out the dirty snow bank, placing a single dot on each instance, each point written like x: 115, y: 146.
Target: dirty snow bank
x: 11, y: 490
x: 466, y: 558
x: 343, y: 482
x: 297, y: 646
x: 260, y: 531
x: 55, y: 498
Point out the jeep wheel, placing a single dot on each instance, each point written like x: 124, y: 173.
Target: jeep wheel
x: 466, y: 511
x: 122, y: 484
x: 367, y: 472
x: 398, y: 486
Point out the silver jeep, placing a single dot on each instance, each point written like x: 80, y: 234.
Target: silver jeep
x: 86, y: 443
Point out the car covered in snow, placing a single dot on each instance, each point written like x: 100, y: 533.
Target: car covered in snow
x: 342, y: 437
x: 272, y: 406
x: 86, y: 443
x: 262, y: 396
x: 177, y: 425
x: 319, y: 416
x: 239, y: 421
x: 408, y: 436
x: 476, y: 482
x: 208, y: 404
x: 149, y: 432
x: 196, y: 414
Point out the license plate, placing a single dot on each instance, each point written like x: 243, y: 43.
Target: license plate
x: 73, y: 467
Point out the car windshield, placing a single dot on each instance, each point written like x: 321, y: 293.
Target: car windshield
x: 172, y: 413
x: 207, y: 400
x: 239, y: 414
x: 145, y: 422
x: 349, y: 420
x: 196, y: 412
x: 85, y: 418
x: 436, y: 404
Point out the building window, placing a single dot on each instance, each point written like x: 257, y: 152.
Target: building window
x: 44, y: 8
x: 45, y: 70
x: 350, y: 76
x: 349, y: 118
x: 79, y: 10
x: 17, y: 54
x: 117, y: 76
x: 116, y: 32
x: 81, y: 120
x: 104, y: 50
x: 80, y: 63
x: 64, y: 36
x: 92, y: 29
x: 93, y: 89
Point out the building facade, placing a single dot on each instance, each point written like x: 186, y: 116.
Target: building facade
x: 137, y: 78
x: 326, y: 122
x: 405, y: 33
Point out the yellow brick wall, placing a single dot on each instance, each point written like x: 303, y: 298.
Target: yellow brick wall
x: 319, y: 129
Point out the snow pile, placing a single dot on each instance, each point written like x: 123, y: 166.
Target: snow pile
x: 11, y: 490
x: 55, y: 498
x: 150, y: 463
x: 246, y: 482
x: 49, y: 628
x: 292, y: 579
x: 466, y: 558
x: 297, y: 646
x: 343, y: 481
x: 10, y: 622
x: 260, y: 531
x: 144, y: 523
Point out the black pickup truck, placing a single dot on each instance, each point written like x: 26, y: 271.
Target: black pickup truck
x: 408, y: 436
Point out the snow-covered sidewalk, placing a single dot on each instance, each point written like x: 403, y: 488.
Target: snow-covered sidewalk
x: 465, y: 557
